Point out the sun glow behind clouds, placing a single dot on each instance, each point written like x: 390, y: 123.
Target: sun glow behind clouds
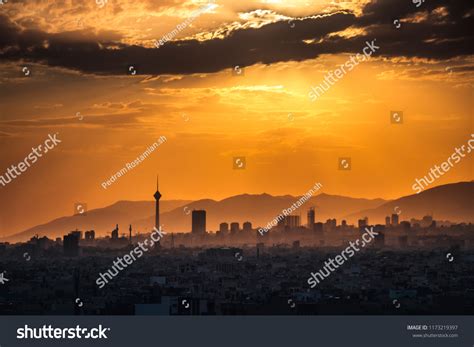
x: 265, y: 114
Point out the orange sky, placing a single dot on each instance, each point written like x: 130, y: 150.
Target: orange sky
x: 264, y: 115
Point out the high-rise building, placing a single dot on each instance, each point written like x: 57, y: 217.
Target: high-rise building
x: 234, y: 228
x: 71, y: 244
x: 198, y: 222
x: 224, y: 228
x: 311, y: 218
x: 130, y: 233
x: 90, y: 235
x: 247, y: 226
x: 115, y: 232
x: 77, y: 233
x: 387, y: 220
x: 292, y: 221
x: 157, y: 197
x: 394, y: 219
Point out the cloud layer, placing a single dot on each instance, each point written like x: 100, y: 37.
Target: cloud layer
x: 435, y: 30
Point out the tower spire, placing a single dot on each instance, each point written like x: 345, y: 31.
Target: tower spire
x: 157, y: 182
x: 157, y: 197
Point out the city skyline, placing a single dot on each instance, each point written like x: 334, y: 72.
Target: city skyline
x: 291, y: 212
x: 110, y: 104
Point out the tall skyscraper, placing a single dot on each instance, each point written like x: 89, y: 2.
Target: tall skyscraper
x: 387, y: 221
x: 311, y: 218
x: 157, y: 197
x: 198, y: 222
x: 394, y: 219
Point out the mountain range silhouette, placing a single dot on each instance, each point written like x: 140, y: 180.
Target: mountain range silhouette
x: 453, y: 202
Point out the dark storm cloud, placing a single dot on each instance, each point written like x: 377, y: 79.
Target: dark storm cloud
x: 381, y: 12
x: 436, y: 38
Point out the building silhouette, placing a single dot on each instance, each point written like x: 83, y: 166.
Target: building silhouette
x: 115, y: 232
x: 198, y: 222
x: 394, y: 219
x: 405, y: 225
x: 330, y: 224
x: 234, y: 228
x: 77, y: 233
x: 224, y: 228
x: 90, y: 235
x: 292, y: 221
x: 247, y: 226
x: 71, y: 244
x: 318, y: 227
x: 362, y: 223
x: 157, y: 197
x: 311, y: 218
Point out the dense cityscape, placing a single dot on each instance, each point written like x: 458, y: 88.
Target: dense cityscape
x: 412, y: 267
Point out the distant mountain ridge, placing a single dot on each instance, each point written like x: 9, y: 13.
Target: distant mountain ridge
x: 453, y: 202
x: 256, y: 208
x: 448, y: 202
x: 100, y: 219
